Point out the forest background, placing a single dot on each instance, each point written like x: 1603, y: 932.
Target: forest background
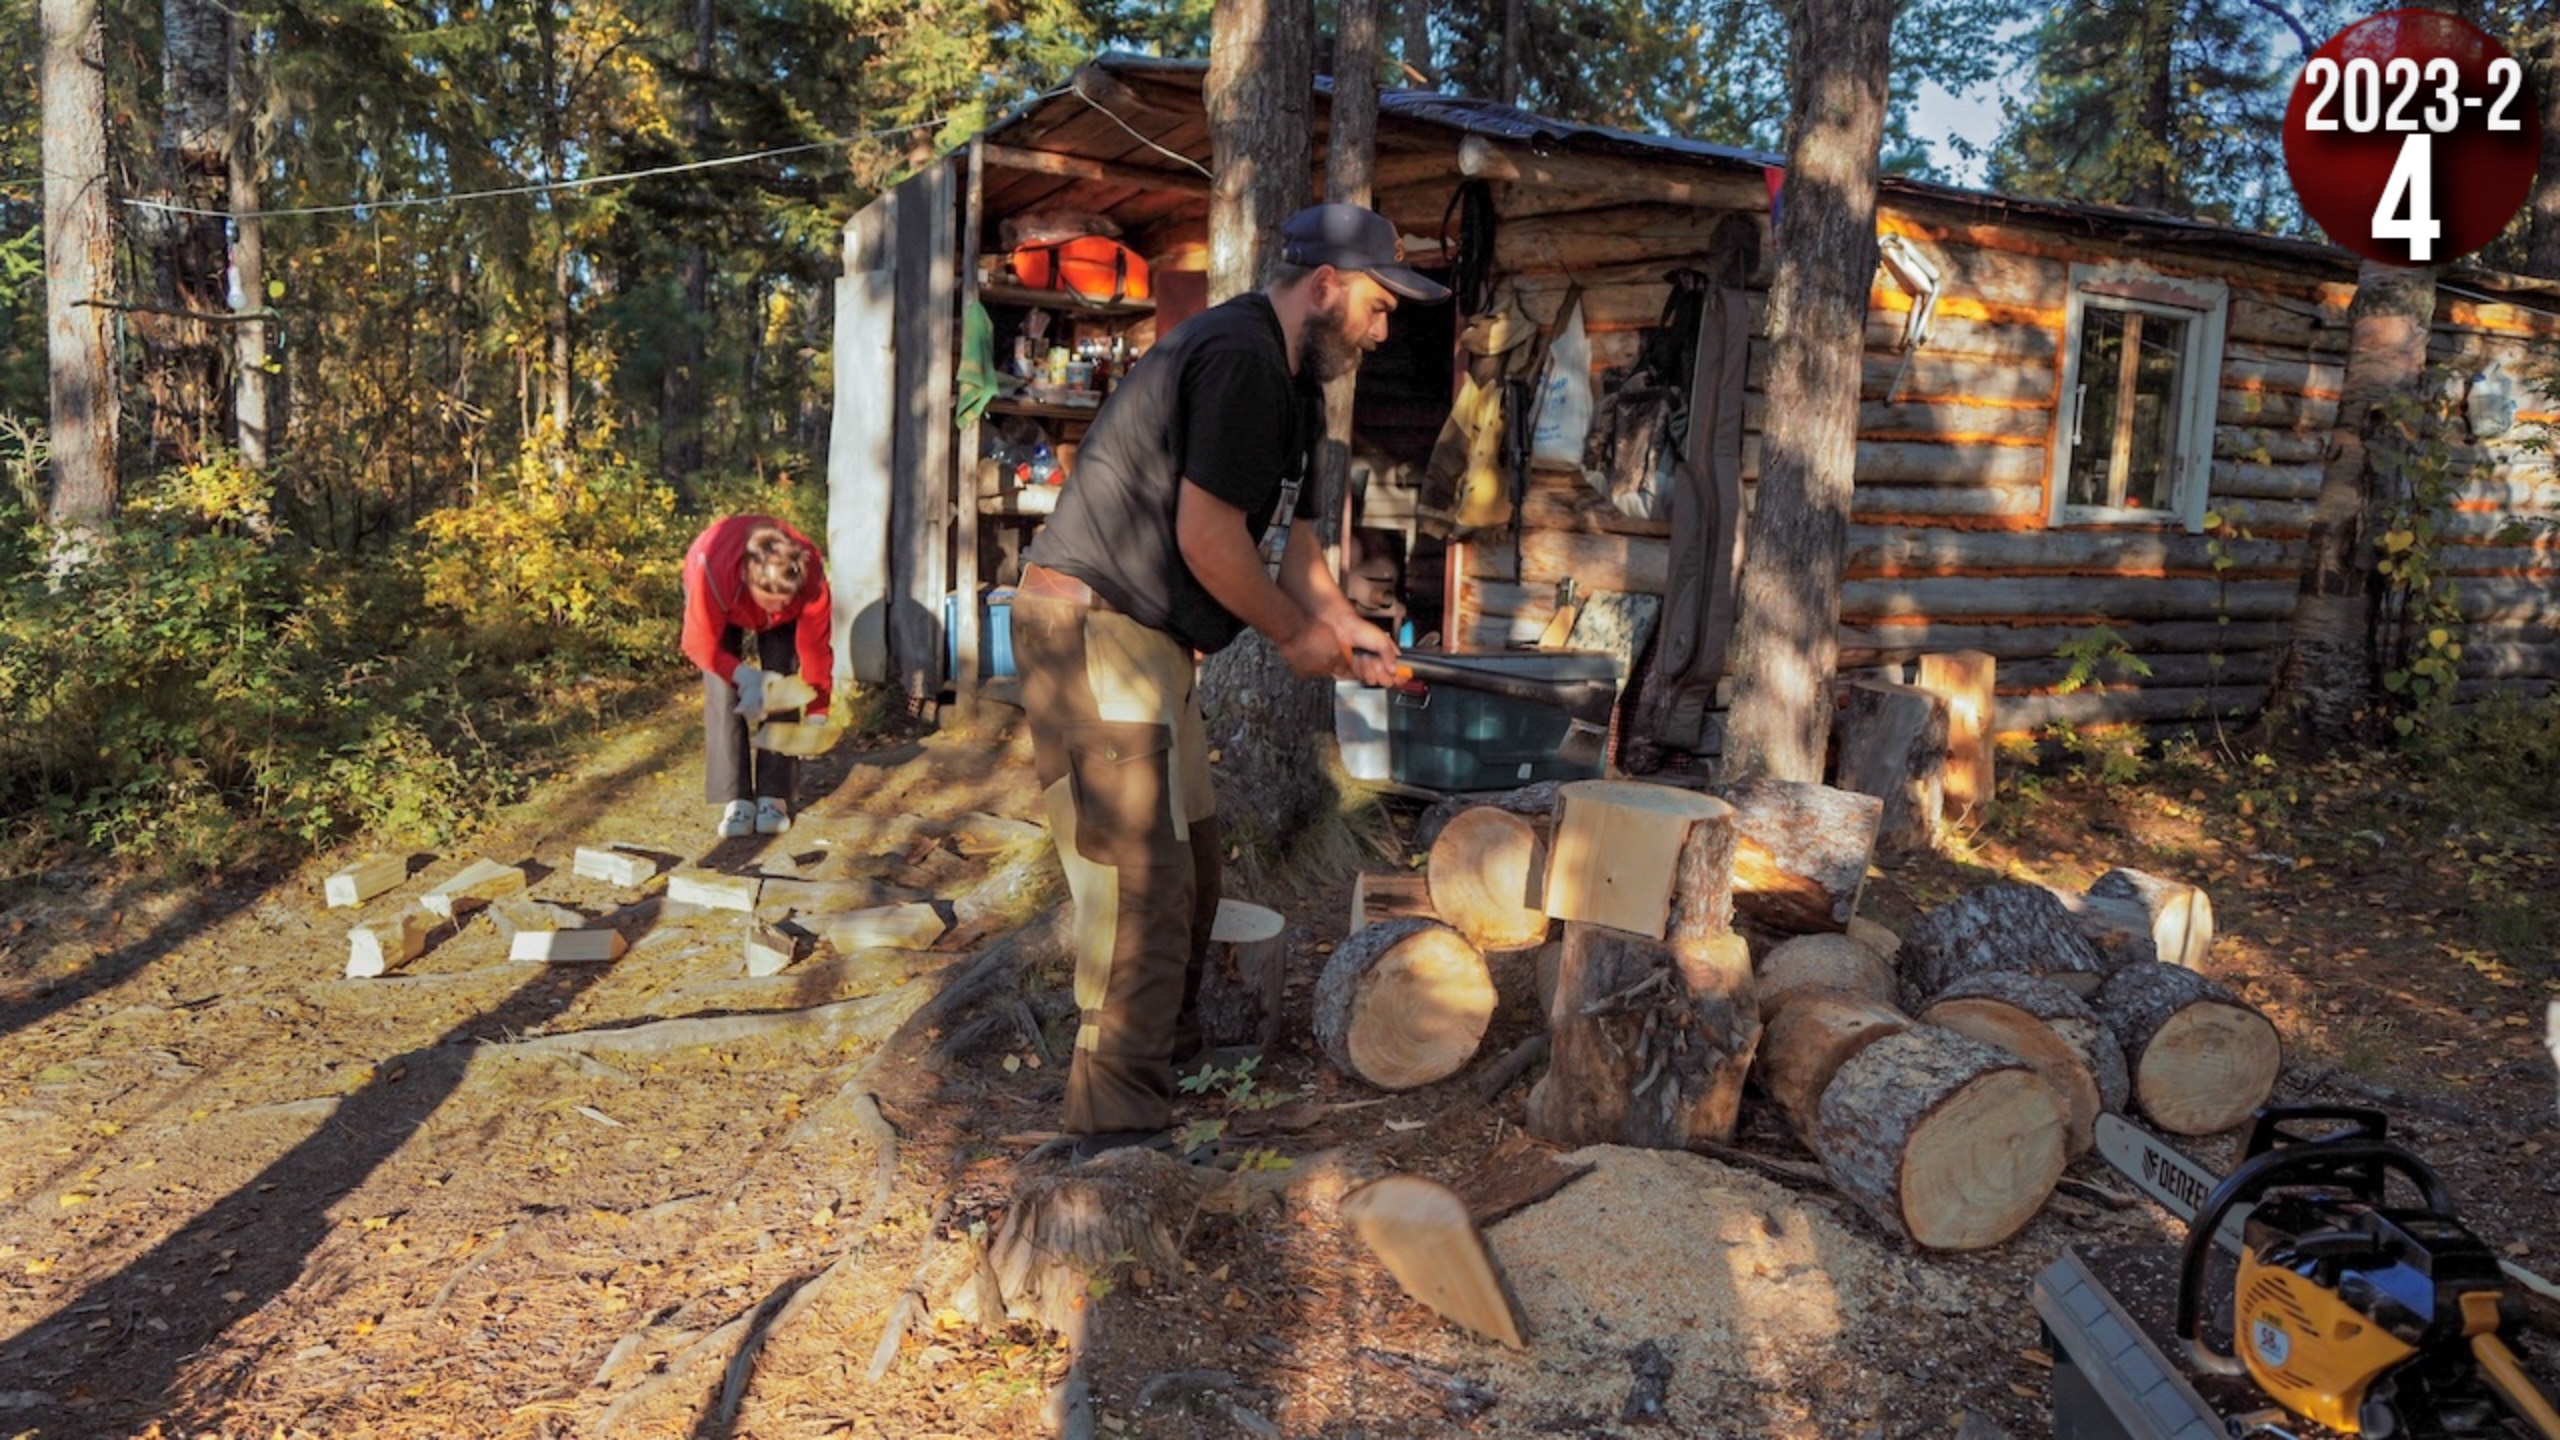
x: 371, y: 559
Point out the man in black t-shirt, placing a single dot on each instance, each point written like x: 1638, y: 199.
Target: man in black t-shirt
x: 1175, y: 533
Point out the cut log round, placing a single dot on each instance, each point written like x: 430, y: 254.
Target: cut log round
x: 2022, y: 1015
x: 1807, y: 1042
x: 1652, y: 860
x: 2072, y: 1018
x: 1242, y: 975
x: 1802, y: 857
x: 2180, y: 914
x: 2201, y: 1060
x: 1893, y: 745
x: 1403, y: 1003
x: 1875, y: 937
x: 1537, y: 802
x: 1942, y: 1139
x: 2120, y: 929
x: 1651, y: 1040
x: 1067, y: 1231
x: 1486, y: 872
x: 1422, y: 1233
x: 1997, y: 927
x: 1837, y: 961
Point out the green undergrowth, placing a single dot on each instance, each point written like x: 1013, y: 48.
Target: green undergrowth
x: 198, y: 688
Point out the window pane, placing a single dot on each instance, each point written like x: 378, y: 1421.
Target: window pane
x: 2093, y: 433
x: 2148, y: 479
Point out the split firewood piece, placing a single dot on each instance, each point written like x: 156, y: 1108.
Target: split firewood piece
x: 1893, y: 745
x: 1422, y: 1233
x: 471, y: 887
x: 2026, y: 1017
x: 1378, y: 895
x: 1073, y: 1235
x: 1801, y: 861
x: 1942, y: 1139
x: 781, y: 896
x: 1652, y: 860
x: 1837, y: 961
x: 520, y: 916
x: 1403, y: 1003
x: 2179, y: 915
x: 365, y: 879
x: 1875, y: 937
x: 913, y: 926
x: 1519, y: 1173
x: 1242, y: 976
x: 1809, y: 1039
x: 1651, y: 1040
x: 568, y: 947
x: 2201, y: 1060
x: 801, y: 739
x: 770, y: 950
x: 614, y: 866
x: 374, y: 949
x: 1964, y: 679
x: 2006, y: 926
x: 714, y: 891
x: 1484, y: 877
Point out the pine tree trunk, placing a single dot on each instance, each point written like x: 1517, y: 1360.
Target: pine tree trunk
x: 556, y: 388
x: 680, y: 387
x: 1787, y: 641
x: 2329, y: 670
x: 1351, y: 145
x: 190, y: 252
x: 79, y: 262
x: 1515, y: 19
x: 1266, y: 724
x: 1415, y: 48
x: 249, y: 262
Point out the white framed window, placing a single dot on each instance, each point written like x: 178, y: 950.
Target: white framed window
x: 2141, y: 377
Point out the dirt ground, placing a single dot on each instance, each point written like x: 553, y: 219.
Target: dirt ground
x: 244, y: 1197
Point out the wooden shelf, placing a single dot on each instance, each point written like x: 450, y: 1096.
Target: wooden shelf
x: 1006, y: 293
x: 1041, y: 409
x: 1031, y: 500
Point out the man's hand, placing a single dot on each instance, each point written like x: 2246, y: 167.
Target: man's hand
x: 1372, y: 651
x: 750, y: 684
x: 1315, y: 652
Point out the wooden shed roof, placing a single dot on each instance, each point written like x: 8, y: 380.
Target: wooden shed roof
x: 1128, y: 137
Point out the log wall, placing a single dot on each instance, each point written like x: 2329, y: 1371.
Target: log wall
x: 1949, y: 546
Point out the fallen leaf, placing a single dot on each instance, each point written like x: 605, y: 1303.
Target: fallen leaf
x: 1401, y: 1126
x: 1012, y: 1063
x: 234, y: 1297
x: 2519, y: 1249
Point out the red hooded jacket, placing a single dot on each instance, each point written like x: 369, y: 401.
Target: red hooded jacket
x: 716, y: 597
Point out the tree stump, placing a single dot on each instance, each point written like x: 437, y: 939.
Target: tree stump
x: 2179, y: 915
x: 1067, y: 1232
x: 1651, y: 860
x: 1836, y: 961
x: 1997, y: 927
x: 1649, y: 1040
x: 1807, y: 1042
x: 1893, y: 745
x: 2025, y: 1017
x: 1422, y: 1233
x: 1942, y: 1139
x: 1403, y: 1003
x: 1964, y: 679
x: 1801, y: 861
x: 1485, y: 875
x: 2201, y: 1060
x: 1242, y: 975
x: 1382, y: 895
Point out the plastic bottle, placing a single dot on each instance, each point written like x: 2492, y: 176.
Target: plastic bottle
x: 1044, y: 467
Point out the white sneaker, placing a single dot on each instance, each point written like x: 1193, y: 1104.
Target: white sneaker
x: 772, y: 816
x: 737, y: 818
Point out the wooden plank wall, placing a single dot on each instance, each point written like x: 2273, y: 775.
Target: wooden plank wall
x: 1949, y: 547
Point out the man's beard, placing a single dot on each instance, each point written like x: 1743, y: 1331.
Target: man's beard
x: 1332, y: 350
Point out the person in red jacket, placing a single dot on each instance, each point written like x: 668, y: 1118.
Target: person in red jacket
x: 753, y: 586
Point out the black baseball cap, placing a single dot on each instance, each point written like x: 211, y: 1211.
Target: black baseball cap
x: 1354, y: 237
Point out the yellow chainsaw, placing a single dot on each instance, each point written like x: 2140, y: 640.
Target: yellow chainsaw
x: 2352, y: 1309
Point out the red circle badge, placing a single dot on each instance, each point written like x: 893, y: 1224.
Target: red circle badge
x: 2412, y: 137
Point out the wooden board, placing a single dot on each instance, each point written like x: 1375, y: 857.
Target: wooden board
x: 1421, y: 1232
x: 614, y: 866
x: 567, y: 946
x: 1965, y: 680
x: 365, y: 879
x: 913, y: 926
x: 375, y: 949
x: 1630, y: 855
x: 475, y: 885
x: 859, y: 443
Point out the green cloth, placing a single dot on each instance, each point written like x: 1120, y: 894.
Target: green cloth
x: 977, y: 377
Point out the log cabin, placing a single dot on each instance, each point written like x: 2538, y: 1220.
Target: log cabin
x: 2073, y: 416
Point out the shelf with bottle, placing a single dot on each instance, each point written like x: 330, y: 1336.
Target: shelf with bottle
x: 1008, y: 292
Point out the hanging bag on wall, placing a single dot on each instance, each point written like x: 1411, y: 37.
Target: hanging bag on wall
x: 1564, y: 402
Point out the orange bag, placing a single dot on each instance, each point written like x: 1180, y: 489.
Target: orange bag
x: 1092, y: 267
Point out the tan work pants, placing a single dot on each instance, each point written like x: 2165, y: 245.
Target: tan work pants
x: 1123, y: 761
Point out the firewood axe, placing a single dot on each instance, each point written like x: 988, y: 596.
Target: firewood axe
x: 1587, y: 702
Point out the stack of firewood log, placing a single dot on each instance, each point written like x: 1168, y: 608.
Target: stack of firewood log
x: 1943, y: 1077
